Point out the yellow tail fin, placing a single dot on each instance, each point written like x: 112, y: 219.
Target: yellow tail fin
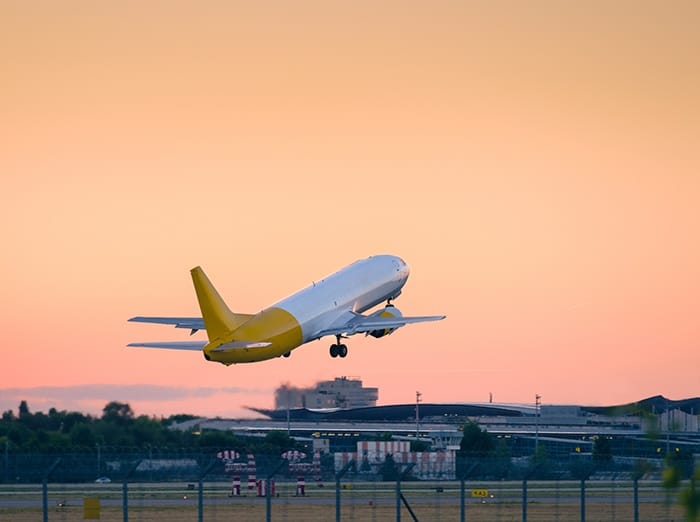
x: 219, y: 320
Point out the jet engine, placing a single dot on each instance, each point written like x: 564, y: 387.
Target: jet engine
x: 387, y: 311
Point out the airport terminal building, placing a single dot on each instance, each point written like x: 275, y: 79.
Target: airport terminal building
x: 648, y: 429
x: 342, y: 392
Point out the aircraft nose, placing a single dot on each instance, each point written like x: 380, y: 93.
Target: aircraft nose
x: 404, y: 269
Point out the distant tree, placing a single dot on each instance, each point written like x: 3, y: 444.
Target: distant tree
x: 83, y: 435
x: 501, y: 465
x: 420, y: 445
x: 37, y: 421
x: 55, y: 421
x: 540, y: 457
x: 475, y: 441
x: 42, y: 436
x: 178, y: 418
x: 147, y: 431
x: 277, y: 442
x: 19, y: 434
x: 690, y: 498
x: 389, y: 469
x: 602, y: 450
x: 219, y: 440
x: 328, y: 463
x: 114, y: 434
x: 59, y: 441
x: 117, y: 413
x: 678, y: 467
x: 70, y: 419
x: 681, y: 460
x: 365, y: 467
x: 23, y: 410
x: 476, y: 452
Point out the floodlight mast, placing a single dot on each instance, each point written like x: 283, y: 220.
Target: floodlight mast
x: 418, y: 396
x: 537, y: 421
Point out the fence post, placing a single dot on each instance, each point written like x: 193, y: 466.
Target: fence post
x: 200, y: 490
x: 125, y: 500
x: 125, y: 490
x: 268, y: 492
x: 583, y: 500
x: 7, y: 460
x: 45, y: 489
x: 399, y: 495
x: 462, y: 500
x: 636, y: 499
x: 528, y: 473
x: 338, y: 476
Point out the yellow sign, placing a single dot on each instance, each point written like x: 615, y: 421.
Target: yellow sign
x: 480, y: 493
x: 91, y: 509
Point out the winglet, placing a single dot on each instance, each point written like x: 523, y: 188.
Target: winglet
x: 218, y: 318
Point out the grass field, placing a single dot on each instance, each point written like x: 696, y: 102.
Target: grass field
x: 255, y: 513
x: 362, y: 501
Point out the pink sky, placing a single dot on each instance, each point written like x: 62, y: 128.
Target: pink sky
x: 537, y: 165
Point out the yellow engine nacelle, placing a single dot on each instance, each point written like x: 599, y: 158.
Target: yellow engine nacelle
x: 388, y: 311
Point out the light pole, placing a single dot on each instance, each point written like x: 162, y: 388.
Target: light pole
x: 98, y: 459
x: 150, y: 463
x: 7, y: 459
x: 537, y: 422
x: 418, y: 396
x: 288, y: 419
x: 668, y: 428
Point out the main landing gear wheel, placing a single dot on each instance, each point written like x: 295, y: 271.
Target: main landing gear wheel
x: 338, y: 349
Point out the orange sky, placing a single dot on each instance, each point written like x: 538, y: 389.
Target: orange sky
x: 537, y: 164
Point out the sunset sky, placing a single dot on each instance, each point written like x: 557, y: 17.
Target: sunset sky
x: 537, y: 164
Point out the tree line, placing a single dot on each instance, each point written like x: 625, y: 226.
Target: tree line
x: 118, y: 429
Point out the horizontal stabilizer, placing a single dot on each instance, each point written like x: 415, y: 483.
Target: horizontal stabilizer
x: 172, y: 345
x: 191, y: 323
x: 362, y: 324
x: 239, y: 345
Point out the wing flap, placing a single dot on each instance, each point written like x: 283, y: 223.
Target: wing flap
x: 198, y: 345
x: 239, y: 345
x: 363, y: 324
x: 191, y: 323
x: 172, y: 345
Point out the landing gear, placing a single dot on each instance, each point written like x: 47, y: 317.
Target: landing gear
x: 338, y: 349
x: 287, y: 354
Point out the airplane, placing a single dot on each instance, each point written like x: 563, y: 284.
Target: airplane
x: 333, y: 306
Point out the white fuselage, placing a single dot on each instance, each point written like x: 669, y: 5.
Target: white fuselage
x: 355, y: 288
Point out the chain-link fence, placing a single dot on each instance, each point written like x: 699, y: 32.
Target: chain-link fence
x: 226, y: 485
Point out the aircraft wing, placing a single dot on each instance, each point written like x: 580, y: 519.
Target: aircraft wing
x: 191, y: 323
x: 364, y: 324
x: 240, y: 345
x: 172, y: 345
x: 198, y: 345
